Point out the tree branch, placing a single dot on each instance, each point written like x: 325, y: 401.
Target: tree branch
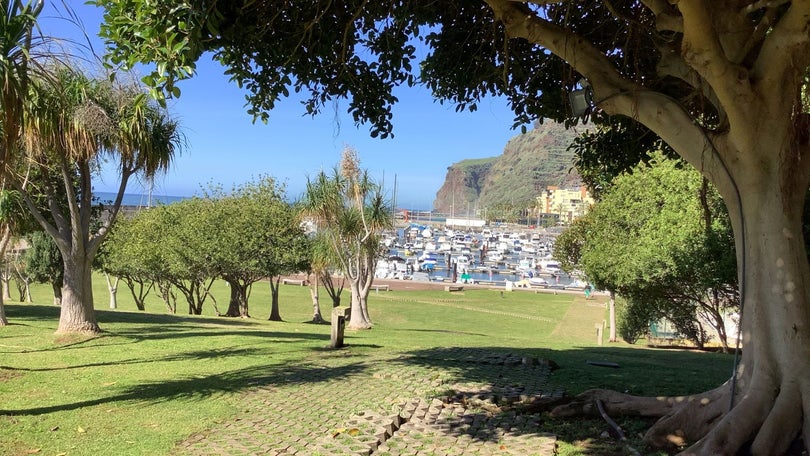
x: 664, y: 17
x: 784, y: 56
x: 617, y: 95
x: 702, y: 50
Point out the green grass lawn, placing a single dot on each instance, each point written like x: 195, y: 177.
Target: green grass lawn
x: 151, y: 379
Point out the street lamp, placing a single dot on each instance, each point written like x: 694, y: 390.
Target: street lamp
x: 581, y: 100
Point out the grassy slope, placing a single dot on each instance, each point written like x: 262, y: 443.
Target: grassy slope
x: 153, y: 379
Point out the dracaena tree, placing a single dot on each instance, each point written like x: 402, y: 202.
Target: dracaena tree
x: 720, y: 82
x: 350, y: 213
x: 73, y: 123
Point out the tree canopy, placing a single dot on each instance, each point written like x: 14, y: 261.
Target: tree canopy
x: 720, y: 82
x: 243, y: 236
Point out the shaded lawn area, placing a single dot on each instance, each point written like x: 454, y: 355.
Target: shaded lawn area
x: 151, y: 379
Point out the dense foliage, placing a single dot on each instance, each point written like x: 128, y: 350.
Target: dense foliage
x: 661, y: 238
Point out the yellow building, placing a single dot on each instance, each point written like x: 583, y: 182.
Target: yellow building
x: 566, y: 203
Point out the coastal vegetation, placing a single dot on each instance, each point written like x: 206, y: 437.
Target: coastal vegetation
x: 59, y: 124
x: 723, y: 84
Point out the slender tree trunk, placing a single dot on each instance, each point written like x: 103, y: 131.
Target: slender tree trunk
x: 112, y: 287
x: 6, y: 282
x: 712, y: 313
x: 4, y: 241
x: 3, y: 318
x: 57, y: 294
x: 612, y: 316
x: 168, y: 297
x: 138, y: 291
x: 333, y: 290
x: 313, y: 293
x: 78, y: 314
x: 366, y: 278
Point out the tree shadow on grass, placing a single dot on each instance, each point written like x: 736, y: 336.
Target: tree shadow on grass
x: 177, y: 357
x: 140, y: 327
x: 197, y: 388
x: 495, y: 380
x: 42, y: 312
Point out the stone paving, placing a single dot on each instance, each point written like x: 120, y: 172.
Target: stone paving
x: 336, y: 404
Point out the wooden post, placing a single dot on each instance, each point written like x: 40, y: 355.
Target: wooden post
x: 599, y: 327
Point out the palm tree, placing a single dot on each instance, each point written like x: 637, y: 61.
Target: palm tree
x: 17, y: 23
x: 72, y: 125
x: 350, y: 211
x: 17, y: 43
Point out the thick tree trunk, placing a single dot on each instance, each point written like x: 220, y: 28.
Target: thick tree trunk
x: 238, y: 305
x: 358, y: 318
x: 770, y: 404
x: 77, y: 315
x: 275, y: 314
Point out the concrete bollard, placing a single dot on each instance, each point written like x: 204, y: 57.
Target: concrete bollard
x: 339, y: 316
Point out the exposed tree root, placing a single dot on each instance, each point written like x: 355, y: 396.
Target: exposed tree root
x: 766, y: 421
x: 617, y: 430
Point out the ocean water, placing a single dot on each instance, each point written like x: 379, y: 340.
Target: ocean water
x: 138, y: 199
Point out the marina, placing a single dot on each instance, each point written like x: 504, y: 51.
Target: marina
x: 485, y: 257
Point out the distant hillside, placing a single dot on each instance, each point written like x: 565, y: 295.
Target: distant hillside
x: 530, y: 162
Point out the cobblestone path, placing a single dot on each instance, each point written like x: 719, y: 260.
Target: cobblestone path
x: 337, y: 404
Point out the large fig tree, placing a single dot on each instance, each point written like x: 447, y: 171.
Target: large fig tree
x: 721, y: 82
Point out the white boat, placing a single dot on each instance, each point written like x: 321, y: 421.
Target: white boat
x: 462, y: 262
x: 529, y: 249
x: 550, y: 266
x: 578, y: 283
x: 427, y: 257
x: 526, y: 264
x: 495, y: 255
x: 537, y: 281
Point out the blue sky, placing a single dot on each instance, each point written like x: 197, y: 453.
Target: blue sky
x: 225, y: 147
